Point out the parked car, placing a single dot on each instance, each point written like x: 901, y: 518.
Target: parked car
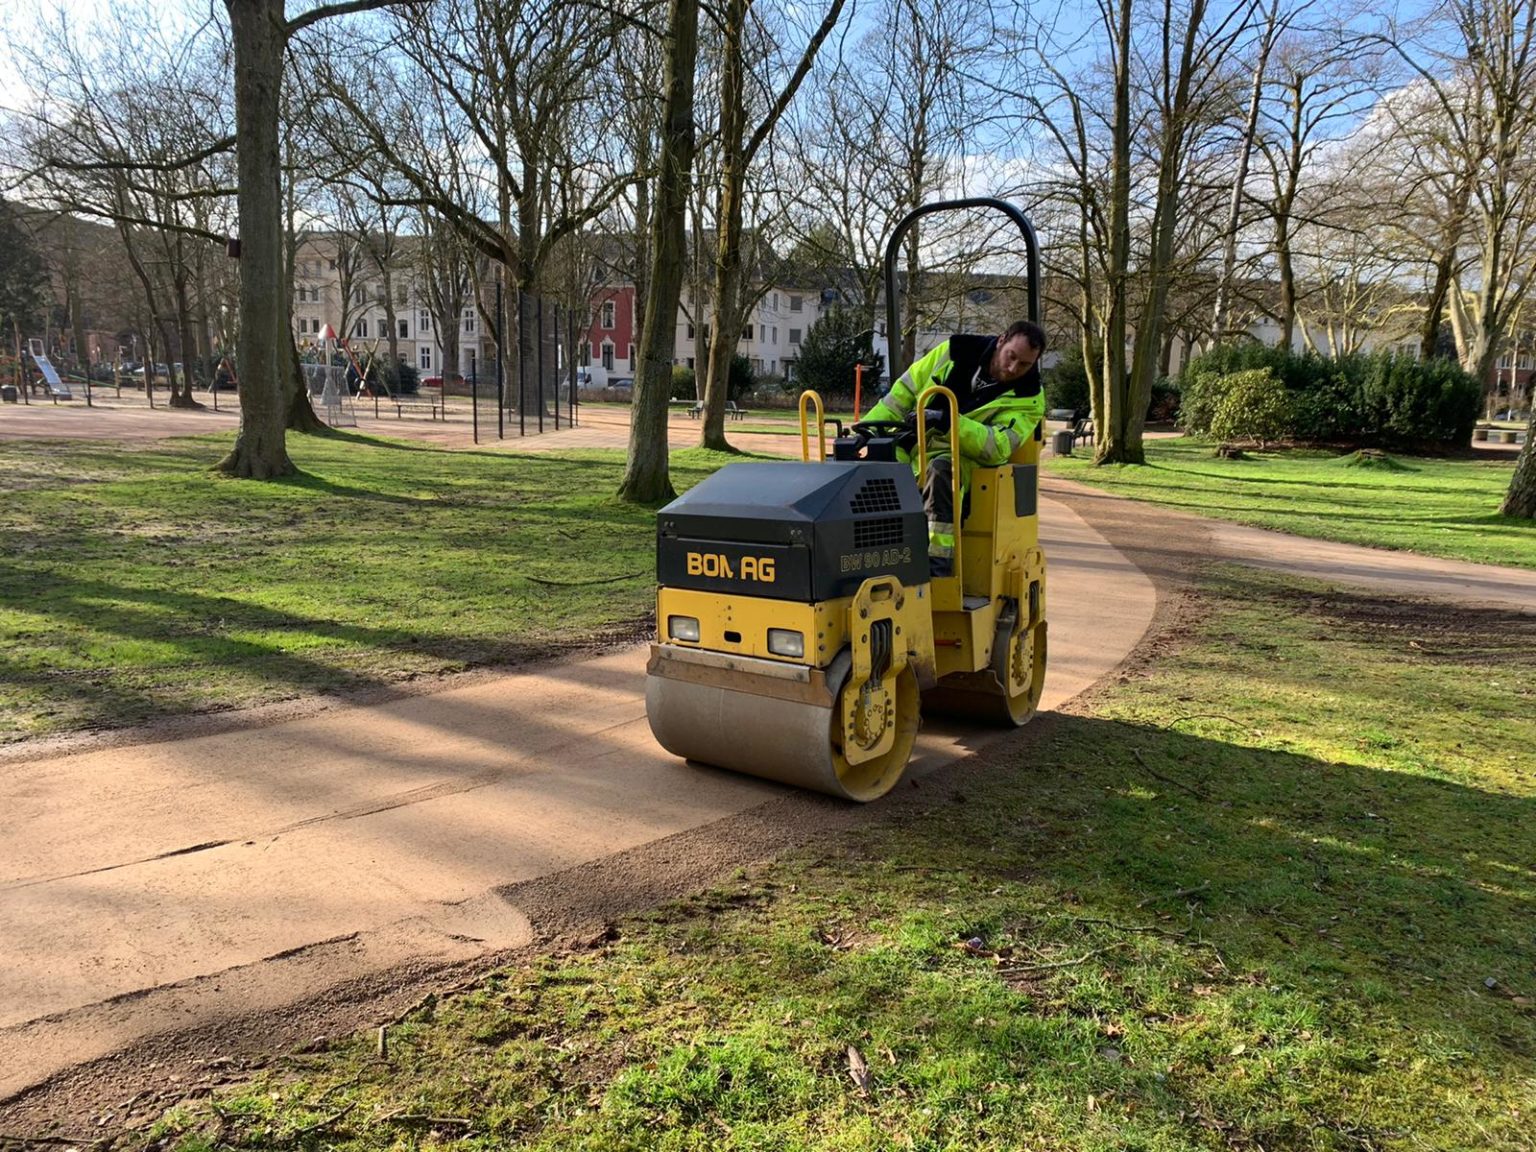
x: 622, y: 383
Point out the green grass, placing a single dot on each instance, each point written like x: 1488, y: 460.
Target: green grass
x: 135, y: 584
x: 1438, y: 507
x: 1275, y: 893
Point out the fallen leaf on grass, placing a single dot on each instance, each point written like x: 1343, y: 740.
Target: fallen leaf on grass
x: 859, y: 1071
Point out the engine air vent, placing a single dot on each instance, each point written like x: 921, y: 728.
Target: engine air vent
x: 877, y: 495
x: 882, y: 533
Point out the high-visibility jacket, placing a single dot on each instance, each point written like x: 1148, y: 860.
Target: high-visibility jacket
x: 995, y: 419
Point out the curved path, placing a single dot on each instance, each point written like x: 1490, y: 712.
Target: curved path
x: 160, y: 888
x: 156, y: 887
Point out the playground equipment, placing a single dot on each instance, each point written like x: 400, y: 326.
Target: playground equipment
x: 799, y: 632
x: 328, y: 380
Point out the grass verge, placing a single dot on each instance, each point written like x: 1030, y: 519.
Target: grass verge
x: 1438, y: 507
x: 136, y: 584
x: 1273, y: 893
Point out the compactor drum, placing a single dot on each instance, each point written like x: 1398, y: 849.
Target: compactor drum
x: 799, y: 633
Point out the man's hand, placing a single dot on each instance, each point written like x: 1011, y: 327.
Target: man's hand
x: 936, y: 419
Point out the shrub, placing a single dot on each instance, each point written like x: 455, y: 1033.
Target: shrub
x: 685, y: 384
x: 1066, y: 382
x: 1378, y: 398
x: 742, y: 381
x: 1253, y: 406
x: 1163, y: 403
x: 401, y: 379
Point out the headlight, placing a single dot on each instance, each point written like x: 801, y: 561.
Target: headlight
x: 685, y: 628
x: 783, y: 642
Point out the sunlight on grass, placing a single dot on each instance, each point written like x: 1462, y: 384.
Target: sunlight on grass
x: 1435, y: 506
x: 1203, y: 913
x: 138, y: 584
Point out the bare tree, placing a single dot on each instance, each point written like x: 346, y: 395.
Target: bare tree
x: 646, y: 478
x: 739, y: 146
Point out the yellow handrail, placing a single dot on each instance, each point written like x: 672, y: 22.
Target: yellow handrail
x: 954, y: 457
x: 821, y: 427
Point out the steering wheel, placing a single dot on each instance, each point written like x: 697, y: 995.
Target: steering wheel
x: 872, y: 428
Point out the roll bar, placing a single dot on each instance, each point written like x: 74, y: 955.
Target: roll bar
x: 893, y: 248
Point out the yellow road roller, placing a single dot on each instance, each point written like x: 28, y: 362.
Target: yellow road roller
x: 800, y: 636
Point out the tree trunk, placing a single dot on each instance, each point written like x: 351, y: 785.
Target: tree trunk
x: 646, y: 479
x: 1240, y: 179
x: 1112, y: 401
x: 1521, y: 497
x: 259, y: 32
x: 727, y: 326
x: 181, y: 390
x: 300, y: 413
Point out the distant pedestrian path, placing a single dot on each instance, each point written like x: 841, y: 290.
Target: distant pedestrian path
x: 1400, y: 573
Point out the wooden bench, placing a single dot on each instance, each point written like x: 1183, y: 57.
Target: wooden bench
x: 696, y: 410
x: 1083, y: 430
x: 423, y: 401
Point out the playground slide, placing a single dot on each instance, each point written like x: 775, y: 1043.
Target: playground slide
x: 56, y: 387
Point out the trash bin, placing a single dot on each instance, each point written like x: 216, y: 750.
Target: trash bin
x: 1061, y: 442
x: 8, y: 393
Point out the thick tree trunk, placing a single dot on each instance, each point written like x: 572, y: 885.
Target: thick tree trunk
x: 646, y: 478
x: 259, y: 32
x: 727, y: 326
x: 1521, y: 498
x: 1112, y: 402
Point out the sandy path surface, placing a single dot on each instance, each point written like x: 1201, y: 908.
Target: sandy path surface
x: 155, y: 887
x: 161, y: 888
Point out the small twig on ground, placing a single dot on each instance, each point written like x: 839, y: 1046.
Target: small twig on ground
x: 320, y: 1125
x: 583, y: 583
x: 1083, y: 959
x: 1152, y: 928
x: 1212, y: 716
x: 1179, y: 894
x: 1151, y: 771
x: 81, y: 1141
x: 421, y: 1119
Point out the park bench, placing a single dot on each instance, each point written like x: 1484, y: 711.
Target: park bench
x: 426, y: 400
x: 1082, y: 430
x: 732, y: 412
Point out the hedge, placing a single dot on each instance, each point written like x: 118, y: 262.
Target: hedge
x: 1382, y: 398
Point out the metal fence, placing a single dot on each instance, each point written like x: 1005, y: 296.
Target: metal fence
x: 542, y: 390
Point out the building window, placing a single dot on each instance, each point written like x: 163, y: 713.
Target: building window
x: 360, y: 328
x: 775, y: 333
x: 469, y: 319
x: 423, y: 320
x: 424, y: 358
x: 796, y: 303
x: 775, y: 301
x: 405, y: 329
x: 794, y: 336
x: 746, y: 332
x: 607, y: 356
x: 608, y: 311
x: 690, y: 331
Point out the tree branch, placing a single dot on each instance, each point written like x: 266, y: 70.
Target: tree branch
x: 325, y: 11
x: 197, y: 157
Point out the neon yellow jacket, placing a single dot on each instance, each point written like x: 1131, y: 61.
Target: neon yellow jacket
x: 995, y: 418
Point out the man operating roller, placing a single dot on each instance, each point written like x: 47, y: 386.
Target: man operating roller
x: 996, y: 380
